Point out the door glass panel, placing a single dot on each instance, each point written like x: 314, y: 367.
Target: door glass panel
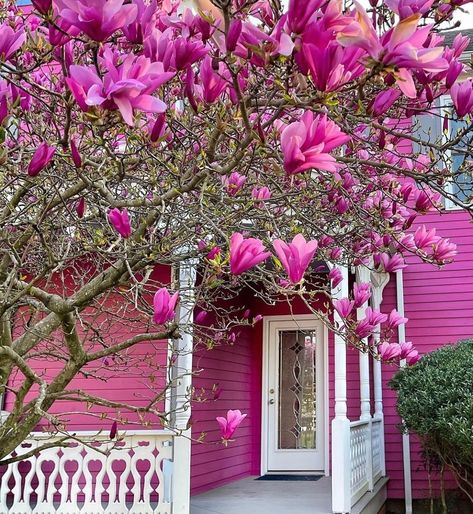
x: 297, y: 390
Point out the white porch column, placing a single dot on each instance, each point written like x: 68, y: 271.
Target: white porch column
x: 341, y: 465
x: 379, y: 281
x: 181, y: 391
x: 363, y: 275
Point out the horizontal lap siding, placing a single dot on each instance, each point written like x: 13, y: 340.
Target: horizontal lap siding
x: 232, y: 369
x: 134, y: 378
x: 439, y: 305
x: 237, y: 370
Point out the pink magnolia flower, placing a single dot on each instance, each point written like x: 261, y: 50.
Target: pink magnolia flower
x: 389, y: 263
x: 389, y: 351
x: 409, y: 353
x: 383, y: 101
x: 76, y: 158
x: 300, y: 13
x: 136, y: 30
x: 424, y: 238
x: 10, y: 41
x: 374, y: 316
x: 406, y: 8
x: 306, y: 143
x: 120, y: 221
x: 329, y: 64
x: 344, y: 307
x: 215, y: 252
x: 127, y: 87
x: 245, y: 253
x: 444, y: 251
x: 234, y: 183
x: 80, y: 207
x: 462, y: 97
x: 233, y: 34
x: 402, y: 47
x: 335, y: 276
x: 296, y: 256
x: 213, y: 83
x: 164, y: 306
x: 261, y: 194
x: 41, y: 158
x: 230, y: 423
x: 395, y: 319
x: 98, y: 19
x: 361, y: 293
x: 187, y: 52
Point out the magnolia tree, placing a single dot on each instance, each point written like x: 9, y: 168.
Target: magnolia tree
x: 252, y: 141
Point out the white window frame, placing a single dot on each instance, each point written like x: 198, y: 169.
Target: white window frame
x: 446, y: 105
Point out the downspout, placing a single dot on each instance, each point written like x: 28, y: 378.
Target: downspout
x: 406, y: 447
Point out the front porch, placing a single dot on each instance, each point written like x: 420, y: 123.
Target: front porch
x: 266, y: 497
x: 254, y: 496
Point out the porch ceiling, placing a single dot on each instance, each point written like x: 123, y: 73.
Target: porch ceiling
x: 251, y: 496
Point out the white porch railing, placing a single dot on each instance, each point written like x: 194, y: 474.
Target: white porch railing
x: 133, y: 476
x: 359, y: 459
x: 365, y: 456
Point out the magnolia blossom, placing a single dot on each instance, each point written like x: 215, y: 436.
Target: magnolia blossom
x: 234, y: 183
x: 295, y: 256
x: 403, y: 47
x: 335, y: 276
x: 389, y: 351
x: 126, y: 87
x: 80, y: 207
x: 409, y: 353
x: 245, y: 253
x: 462, y: 97
x: 10, y: 41
x: 444, y: 251
x: 306, y: 143
x: 361, y: 293
x: 343, y: 306
x: 230, y: 423
x: 98, y: 19
x: 41, y: 158
x: 164, y: 306
x: 120, y: 221
x: 261, y: 194
x: 395, y: 319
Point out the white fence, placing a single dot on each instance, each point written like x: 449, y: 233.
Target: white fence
x: 366, y: 456
x: 133, y: 476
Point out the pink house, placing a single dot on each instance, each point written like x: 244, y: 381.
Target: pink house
x: 318, y: 413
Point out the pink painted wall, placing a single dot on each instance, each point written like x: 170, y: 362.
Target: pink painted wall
x: 438, y: 303
x: 127, y: 380
x: 237, y: 370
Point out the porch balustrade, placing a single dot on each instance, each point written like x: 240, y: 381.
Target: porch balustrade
x: 96, y: 476
x: 358, y: 460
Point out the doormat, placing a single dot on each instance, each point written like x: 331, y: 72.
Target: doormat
x: 291, y: 478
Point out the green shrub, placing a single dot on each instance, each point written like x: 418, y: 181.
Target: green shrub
x: 435, y: 400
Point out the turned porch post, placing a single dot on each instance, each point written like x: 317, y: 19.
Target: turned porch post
x: 379, y: 282
x: 363, y: 275
x: 341, y: 466
x: 181, y: 391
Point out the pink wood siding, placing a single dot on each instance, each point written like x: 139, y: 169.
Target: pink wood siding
x: 438, y: 304
x: 237, y: 371
x: 126, y: 380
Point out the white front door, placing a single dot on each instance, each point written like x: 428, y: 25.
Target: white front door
x: 294, y: 395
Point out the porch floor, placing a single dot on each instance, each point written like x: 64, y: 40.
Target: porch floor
x: 250, y: 496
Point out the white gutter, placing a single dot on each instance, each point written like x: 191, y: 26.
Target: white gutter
x: 406, y: 449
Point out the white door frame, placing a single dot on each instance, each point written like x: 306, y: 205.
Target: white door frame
x: 264, y: 405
